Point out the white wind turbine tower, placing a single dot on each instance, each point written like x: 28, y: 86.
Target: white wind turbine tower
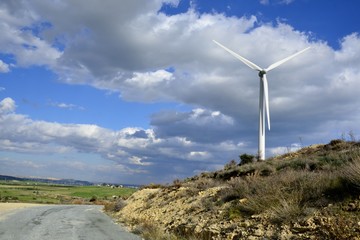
x: 264, y: 96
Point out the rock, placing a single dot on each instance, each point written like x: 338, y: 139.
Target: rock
x: 256, y: 217
x: 269, y: 233
x: 299, y: 229
x: 235, y: 236
x: 243, y: 200
x: 351, y: 207
x: 245, y: 223
x: 259, y: 232
x: 303, y: 227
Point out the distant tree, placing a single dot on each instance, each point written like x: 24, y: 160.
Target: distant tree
x: 246, y: 158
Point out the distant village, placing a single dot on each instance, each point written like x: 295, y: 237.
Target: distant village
x: 110, y: 185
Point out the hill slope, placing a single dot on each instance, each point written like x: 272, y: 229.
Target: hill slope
x: 313, y: 193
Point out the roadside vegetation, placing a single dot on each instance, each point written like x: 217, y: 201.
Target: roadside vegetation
x: 313, y: 193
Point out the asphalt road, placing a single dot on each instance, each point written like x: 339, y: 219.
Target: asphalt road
x: 62, y: 222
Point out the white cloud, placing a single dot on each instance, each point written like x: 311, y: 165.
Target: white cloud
x: 7, y: 105
x: 146, y: 80
x: 267, y: 2
x: 199, y: 155
x: 139, y: 161
x: 23, y: 134
x: 288, y: 149
x: 137, y: 150
x: 18, y: 39
x: 146, y: 86
x: 65, y: 105
x: 286, y: 1
x: 21, y: 164
x: 4, y: 67
x: 69, y: 106
x: 350, y: 47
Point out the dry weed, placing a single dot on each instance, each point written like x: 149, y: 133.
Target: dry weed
x: 351, y: 173
x: 114, y: 206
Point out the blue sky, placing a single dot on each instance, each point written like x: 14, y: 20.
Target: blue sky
x: 137, y: 92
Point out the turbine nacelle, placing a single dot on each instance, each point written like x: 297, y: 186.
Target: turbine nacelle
x: 262, y: 73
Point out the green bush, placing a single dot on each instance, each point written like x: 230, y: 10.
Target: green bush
x: 246, y: 158
x: 230, y: 165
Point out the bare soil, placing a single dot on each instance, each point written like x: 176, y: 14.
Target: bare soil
x: 8, y: 208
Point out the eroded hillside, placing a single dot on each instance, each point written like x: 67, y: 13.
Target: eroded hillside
x: 313, y: 193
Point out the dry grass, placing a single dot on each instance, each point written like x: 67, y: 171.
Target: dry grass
x: 351, y: 173
x: 114, y: 206
x: 150, y: 231
x: 194, y: 187
x: 291, y: 191
x: 78, y: 201
x: 288, y: 189
x: 284, y: 196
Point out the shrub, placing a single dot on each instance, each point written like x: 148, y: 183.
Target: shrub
x: 152, y: 186
x: 177, y: 183
x: 333, y: 160
x: 233, y: 212
x: 286, y: 209
x: 261, y: 194
x: 150, y: 231
x: 236, y: 189
x: 299, y: 164
x: 202, y: 184
x: 93, y: 199
x: 351, y: 174
x: 246, y: 158
x: 285, y: 195
x: 115, y: 206
x: 230, y: 165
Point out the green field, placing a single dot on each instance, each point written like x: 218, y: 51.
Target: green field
x: 32, y: 192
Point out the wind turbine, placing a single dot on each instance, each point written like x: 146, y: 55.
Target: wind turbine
x: 264, y: 93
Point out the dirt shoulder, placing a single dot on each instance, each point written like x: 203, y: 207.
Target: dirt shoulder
x: 8, y: 208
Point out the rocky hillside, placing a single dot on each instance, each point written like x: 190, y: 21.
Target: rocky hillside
x: 313, y: 193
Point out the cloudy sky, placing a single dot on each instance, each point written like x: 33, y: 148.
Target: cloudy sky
x: 136, y: 91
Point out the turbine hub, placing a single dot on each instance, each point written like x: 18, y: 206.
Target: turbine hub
x: 262, y: 73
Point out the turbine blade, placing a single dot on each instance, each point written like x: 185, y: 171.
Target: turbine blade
x: 266, y: 96
x: 244, y: 60
x: 275, y: 65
